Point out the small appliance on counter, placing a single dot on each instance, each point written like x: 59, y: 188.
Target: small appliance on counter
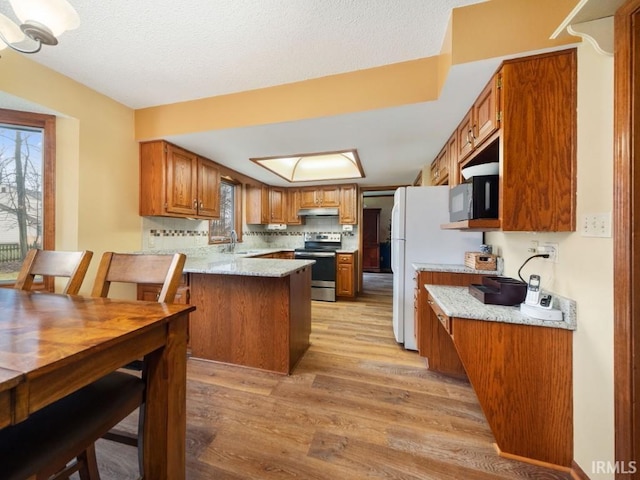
x: 496, y: 290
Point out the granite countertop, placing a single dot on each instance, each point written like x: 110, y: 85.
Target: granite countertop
x: 455, y: 268
x: 230, y: 264
x: 458, y: 302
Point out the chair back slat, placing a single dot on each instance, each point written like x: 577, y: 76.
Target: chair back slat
x: 165, y: 270
x: 54, y: 263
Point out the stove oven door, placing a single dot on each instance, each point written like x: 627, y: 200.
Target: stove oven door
x: 323, y: 274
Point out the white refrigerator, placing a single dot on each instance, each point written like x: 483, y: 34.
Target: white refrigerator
x: 416, y: 237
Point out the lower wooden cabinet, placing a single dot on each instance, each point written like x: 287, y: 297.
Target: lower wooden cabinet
x: 346, y: 271
x: 149, y: 292
x: 433, y: 341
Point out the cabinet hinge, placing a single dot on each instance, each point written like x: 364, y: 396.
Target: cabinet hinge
x: 499, y: 116
x: 499, y: 83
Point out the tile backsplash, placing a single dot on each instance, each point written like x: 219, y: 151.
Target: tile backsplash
x: 164, y: 233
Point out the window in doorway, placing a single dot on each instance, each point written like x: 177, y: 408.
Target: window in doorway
x: 27, y: 152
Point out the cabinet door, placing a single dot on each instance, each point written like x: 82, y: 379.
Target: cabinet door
x: 257, y: 201
x: 182, y: 181
x: 308, y: 198
x: 442, y: 170
x: 434, y: 342
x: 434, y: 171
x: 452, y: 158
x: 293, y: 205
x: 208, y: 189
x: 277, y: 204
x: 465, y: 136
x: 344, y: 280
x: 486, y: 113
x: 349, y: 204
x: 329, y: 196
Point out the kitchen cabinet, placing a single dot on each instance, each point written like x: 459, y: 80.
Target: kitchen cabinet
x: 346, y: 275
x: 257, y: 208
x: 533, y: 139
x: 440, y: 168
x: 277, y: 205
x: 265, y: 204
x: 321, y: 196
x: 452, y: 160
x: 149, y: 292
x: 434, y: 343
x: 481, y: 121
x: 292, y: 207
x: 177, y: 183
x: 261, y: 322
x: 522, y: 377
x: 348, y: 204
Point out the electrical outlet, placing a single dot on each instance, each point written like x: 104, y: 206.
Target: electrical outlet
x: 551, y: 249
x: 533, y: 246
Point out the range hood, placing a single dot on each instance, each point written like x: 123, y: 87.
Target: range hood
x: 318, y: 212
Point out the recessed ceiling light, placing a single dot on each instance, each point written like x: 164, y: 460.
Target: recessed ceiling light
x: 313, y: 167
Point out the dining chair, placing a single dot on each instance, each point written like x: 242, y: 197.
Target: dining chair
x: 165, y: 270
x: 54, y: 263
x: 59, y: 440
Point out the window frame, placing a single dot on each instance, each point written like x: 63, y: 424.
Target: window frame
x: 48, y: 125
x: 237, y: 212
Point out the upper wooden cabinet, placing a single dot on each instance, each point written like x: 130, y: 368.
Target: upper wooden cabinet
x: 440, y: 168
x: 177, y: 183
x: 348, y: 204
x: 481, y: 121
x: 257, y: 204
x: 534, y: 141
x: 277, y: 205
x: 293, y: 205
x: 320, y: 196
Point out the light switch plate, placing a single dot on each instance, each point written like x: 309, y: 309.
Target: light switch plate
x: 596, y: 225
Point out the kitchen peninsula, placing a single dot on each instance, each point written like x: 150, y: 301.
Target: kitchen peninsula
x: 254, y: 312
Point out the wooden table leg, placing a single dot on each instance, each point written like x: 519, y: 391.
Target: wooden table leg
x: 165, y: 414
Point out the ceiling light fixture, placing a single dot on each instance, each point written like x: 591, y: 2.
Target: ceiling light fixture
x: 314, y: 167
x: 41, y: 21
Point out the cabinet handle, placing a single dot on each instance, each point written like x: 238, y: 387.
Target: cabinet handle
x: 195, y: 203
x: 201, y: 205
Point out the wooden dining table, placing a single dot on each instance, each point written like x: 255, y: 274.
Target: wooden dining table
x: 52, y: 345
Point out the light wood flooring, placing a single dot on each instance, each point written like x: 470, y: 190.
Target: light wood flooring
x: 357, y: 406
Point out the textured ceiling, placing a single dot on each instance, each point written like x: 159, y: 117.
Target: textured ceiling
x: 153, y: 52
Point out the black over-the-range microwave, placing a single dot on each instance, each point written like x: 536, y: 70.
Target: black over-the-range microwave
x: 476, y: 198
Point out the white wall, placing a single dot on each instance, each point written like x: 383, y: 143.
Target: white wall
x: 585, y: 269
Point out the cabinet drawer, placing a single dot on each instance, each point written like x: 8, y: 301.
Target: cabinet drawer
x: 345, y: 258
x: 445, y: 320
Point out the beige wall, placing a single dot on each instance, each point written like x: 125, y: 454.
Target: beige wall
x: 96, y: 162
x: 585, y: 268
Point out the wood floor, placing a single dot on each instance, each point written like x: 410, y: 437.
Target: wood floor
x: 357, y: 406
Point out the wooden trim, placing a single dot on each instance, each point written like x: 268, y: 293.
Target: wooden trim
x: 48, y: 124
x: 626, y: 241
x: 532, y: 461
x: 577, y: 473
